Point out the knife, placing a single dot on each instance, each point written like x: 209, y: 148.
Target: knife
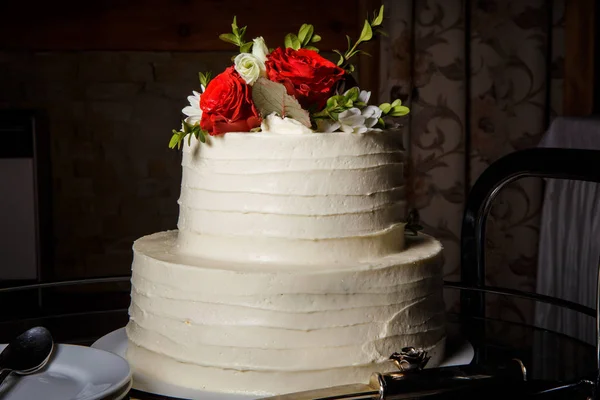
x: 419, y: 384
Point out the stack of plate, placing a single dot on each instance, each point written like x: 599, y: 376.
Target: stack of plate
x: 73, y: 373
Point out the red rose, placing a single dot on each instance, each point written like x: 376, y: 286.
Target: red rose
x: 227, y: 105
x: 306, y: 75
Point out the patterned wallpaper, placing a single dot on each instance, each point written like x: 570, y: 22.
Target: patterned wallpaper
x: 483, y: 79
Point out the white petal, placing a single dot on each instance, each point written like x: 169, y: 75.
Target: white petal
x: 349, y: 113
x: 352, y: 111
x: 275, y: 124
x: 249, y: 67
x: 371, y: 112
x: 327, y: 125
x: 364, y: 96
x: 371, y: 122
x: 259, y: 49
x: 354, y: 120
x: 192, y: 101
x: 192, y: 111
x: 347, y: 129
x: 193, y: 120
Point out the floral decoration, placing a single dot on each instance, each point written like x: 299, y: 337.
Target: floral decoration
x: 292, y: 86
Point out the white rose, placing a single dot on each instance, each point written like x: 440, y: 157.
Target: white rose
x: 193, y: 111
x: 372, y: 115
x: 275, y: 124
x: 249, y: 67
x: 352, y: 121
x: 259, y: 49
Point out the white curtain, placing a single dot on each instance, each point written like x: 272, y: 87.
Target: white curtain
x: 569, y: 249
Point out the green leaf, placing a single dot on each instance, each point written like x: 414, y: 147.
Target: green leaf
x: 234, y: 26
x: 305, y: 33
x: 186, y: 128
x: 350, y: 68
x: 381, y: 122
x: 385, y: 108
x: 201, y: 137
x: 288, y: 40
x: 270, y: 97
x: 174, y: 139
x: 229, y: 38
x: 399, y: 111
x: 367, y: 33
x: 333, y: 101
x: 245, y: 48
x: 242, y: 32
x: 396, y: 102
x: 296, y: 44
x: 313, y: 48
x: 353, y: 53
x: 341, y: 60
x: 205, y: 78
x: 349, y: 42
x: 302, y: 33
x: 315, y: 39
x: 378, y: 17
x: 352, y: 94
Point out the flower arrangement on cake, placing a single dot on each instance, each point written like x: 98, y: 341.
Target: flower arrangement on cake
x: 291, y: 87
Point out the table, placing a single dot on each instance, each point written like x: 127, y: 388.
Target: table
x: 81, y: 316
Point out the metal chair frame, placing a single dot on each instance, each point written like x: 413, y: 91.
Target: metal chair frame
x: 568, y: 164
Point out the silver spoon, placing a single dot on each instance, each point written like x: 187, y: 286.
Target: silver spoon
x: 27, y: 353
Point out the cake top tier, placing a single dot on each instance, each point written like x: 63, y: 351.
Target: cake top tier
x: 290, y: 89
x: 285, y: 159
x: 295, y: 147
x: 319, y: 198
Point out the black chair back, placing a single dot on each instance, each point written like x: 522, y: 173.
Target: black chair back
x: 570, y: 164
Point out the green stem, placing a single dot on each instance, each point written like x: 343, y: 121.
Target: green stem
x: 350, y: 52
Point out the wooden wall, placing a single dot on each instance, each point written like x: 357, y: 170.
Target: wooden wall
x: 582, y: 44
x: 181, y: 25
x: 112, y: 76
x: 170, y: 25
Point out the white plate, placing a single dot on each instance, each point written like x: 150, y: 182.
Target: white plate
x: 458, y: 352
x: 73, y: 373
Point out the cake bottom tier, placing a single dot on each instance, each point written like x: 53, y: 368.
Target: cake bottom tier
x: 270, y: 329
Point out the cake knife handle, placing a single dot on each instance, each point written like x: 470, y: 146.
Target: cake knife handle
x: 438, y: 380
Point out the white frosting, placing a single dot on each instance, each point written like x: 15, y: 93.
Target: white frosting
x: 273, y: 123
x: 209, y: 320
x: 328, y: 198
x: 289, y: 270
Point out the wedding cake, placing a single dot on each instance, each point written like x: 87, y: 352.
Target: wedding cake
x: 291, y: 268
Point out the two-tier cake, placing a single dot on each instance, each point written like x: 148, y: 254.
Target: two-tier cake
x: 291, y: 268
